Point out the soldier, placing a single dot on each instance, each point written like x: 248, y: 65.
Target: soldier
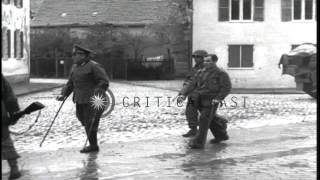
x: 9, y: 107
x: 88, y: 81
x: 213, y: 85
x: 192, y: 106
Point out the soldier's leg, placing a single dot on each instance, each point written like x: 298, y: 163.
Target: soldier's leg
x: 95, y: 127
x: 79, y: 113
x: 14, y: 170
x: 218, y: 128
x: 92, y: 119
x: 9, y: 153
x: 192, y: 118
x: 200, y: 139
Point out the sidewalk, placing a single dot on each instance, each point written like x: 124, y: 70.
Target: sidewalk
x: 42, y: 84
x: 270, y: 152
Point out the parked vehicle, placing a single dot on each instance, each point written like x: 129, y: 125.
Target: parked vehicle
x: 301, y: 63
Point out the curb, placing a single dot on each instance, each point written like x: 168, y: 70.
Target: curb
x: 39, y: 90
x: 233, y: 91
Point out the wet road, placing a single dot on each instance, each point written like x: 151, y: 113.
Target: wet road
x: 272, y: 137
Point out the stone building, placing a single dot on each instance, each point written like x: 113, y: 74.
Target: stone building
x: 15, y: 40
x: 249, y: 36
x: 82, y: 16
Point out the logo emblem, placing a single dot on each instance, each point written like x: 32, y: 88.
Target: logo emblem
x: 106, y: 103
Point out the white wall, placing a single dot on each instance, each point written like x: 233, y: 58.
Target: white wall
x: 17, y: 18
x: 271, y: 38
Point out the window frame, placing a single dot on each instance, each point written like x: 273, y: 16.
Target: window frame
x: 241, y: 12
x: 303, y: 13
x: 240, y: 56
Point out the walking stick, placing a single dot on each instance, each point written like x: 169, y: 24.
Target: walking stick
x: 52, y: 122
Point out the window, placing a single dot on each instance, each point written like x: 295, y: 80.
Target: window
x: 4, y: 39
x: 298, y: 10
x: 240, y: 56
x: 17, y: 44
x: 8, y: 43
x: 21, y: 45
x: 241, y: 10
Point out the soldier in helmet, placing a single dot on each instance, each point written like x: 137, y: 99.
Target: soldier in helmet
x: 192, y: 107
x: 88, y: 81
x: 213, y: 85
x: 9, y: 107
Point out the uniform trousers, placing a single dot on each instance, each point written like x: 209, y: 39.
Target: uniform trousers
x: 89, y: 118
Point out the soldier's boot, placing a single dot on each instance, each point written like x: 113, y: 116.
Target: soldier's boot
x: 14, y: 170
x: 219, y: 139
x: 192, y: 132
x: 200, y: 140
x: 93, y: 144
x: 218, y: 128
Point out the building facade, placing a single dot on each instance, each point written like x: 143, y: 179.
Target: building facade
x: 15, y: 40
x: 249, y: 36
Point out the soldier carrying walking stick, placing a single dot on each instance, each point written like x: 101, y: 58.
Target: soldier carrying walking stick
x: 212, y: 85
x: 88, y: 81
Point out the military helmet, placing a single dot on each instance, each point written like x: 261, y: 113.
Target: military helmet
x: 201, y: 53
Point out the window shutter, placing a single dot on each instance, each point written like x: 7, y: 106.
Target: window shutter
x: 247, y: 56
x: 286, y: 10
x: 234, y: 56
x: 223, y: 10
x: 258, y: 10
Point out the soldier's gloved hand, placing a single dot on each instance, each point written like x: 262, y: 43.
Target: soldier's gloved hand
x: 181, y: 98
x: 60, y: 98
x: 215, y: 101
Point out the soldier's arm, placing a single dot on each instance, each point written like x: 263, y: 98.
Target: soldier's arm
x: 188, y: 79
x: 10, y: 99
x: 225, y: 85
x: 68, y: 88
x: 100, y: 77
x: 189, y: 87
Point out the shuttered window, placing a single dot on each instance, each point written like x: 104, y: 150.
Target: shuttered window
x: 298, y: 10
x: 241, y: 10
x: 240, y: 56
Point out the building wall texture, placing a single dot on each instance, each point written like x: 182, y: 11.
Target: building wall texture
x: 270, y: 38
x: 16, y: 18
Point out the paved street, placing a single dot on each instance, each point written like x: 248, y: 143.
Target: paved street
x: 271, y: 137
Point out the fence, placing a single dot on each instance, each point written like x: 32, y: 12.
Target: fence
x: 116, y: 68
